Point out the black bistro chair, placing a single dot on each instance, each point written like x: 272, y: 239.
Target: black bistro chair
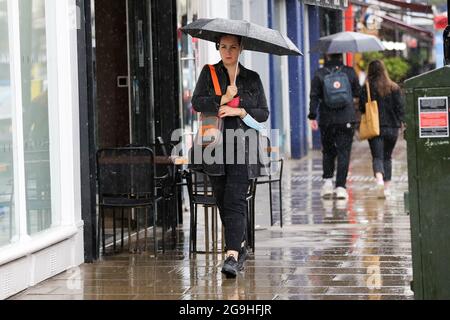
x: 275, y: 176
x: 166, y: 185
x: 126, y: 181
x: 201, y: 194
x: 251, y: 215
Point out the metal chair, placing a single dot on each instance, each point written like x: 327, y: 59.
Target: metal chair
x: 166, y: 185
x: 126, y: 180
x: 201, y: 194
x: 250, y: 236
x: 274, y: 179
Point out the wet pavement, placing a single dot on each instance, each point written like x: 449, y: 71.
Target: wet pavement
x: 327, y: 249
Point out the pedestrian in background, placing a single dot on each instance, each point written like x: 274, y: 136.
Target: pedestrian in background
x: 331, y: 101
x: 243, y: 97
x: 391, y: 115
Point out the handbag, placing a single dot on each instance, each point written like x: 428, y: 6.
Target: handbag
x: 210, y: 124
x: 370, y: 122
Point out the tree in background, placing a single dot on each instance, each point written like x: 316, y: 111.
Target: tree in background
x: 397, y: 67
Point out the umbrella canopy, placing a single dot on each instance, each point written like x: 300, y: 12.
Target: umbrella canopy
x: 254, y: 37
x: 348, y: 42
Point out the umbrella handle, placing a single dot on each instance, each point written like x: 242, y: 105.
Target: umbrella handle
x: 237, y: 63
x: 235, y: 73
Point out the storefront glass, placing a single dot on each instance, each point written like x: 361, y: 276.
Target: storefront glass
x: 187, y: 11
x: 330, y: 21
x: 33, y: 41
x: 7, y: 227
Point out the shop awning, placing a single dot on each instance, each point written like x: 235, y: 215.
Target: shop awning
x: 416, y: 7
x: 416, y: 31
x: 412, y: 7
x: 333, y: 4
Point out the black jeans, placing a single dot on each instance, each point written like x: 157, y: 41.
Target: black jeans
x: 336, y: 143
x: 230, y: 191
x: 381, y: 148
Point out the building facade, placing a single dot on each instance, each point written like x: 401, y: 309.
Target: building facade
x: 80, y: 75
x: 75, y: 76
x: 41, y: 231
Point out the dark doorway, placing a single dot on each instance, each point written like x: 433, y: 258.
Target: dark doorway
x: 123, y: 82
x: 128, y: 80
x: 112, y: 84
x: 136, y: 76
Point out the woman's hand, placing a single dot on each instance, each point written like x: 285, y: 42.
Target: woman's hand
x: 226, y: 111
x: 314, y: 125
x: 231, y: 93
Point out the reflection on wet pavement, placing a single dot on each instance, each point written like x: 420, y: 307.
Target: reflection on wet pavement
x: 327, y: 249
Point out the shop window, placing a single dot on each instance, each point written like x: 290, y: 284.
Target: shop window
x: 331, y: 21
x: 189, y: 63
x: 236, y: 9
x: 7, y: 217
x: 33, y: 43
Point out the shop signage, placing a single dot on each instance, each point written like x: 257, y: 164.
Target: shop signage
x: 334, y: 4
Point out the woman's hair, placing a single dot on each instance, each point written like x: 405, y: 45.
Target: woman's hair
x: 379, y: 78
x: 218, y: 38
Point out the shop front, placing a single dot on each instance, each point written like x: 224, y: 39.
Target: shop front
x: 41, y: 231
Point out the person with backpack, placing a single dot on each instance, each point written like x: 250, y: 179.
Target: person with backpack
x: 332, y: 110
x: 391, y: 116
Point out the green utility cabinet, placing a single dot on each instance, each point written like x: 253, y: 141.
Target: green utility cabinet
x: 428, y: 143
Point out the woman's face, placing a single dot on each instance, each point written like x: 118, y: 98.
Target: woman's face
x: 229, y: 49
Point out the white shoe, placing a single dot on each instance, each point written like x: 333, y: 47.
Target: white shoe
x: 327, y: 204
x: 341, y: 204
x: 341, y: 193
x: 379, y: 190
x: 327, y: 189
x: 387, y: 192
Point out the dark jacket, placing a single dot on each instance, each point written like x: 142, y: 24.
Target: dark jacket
x: 252, y: 99
x: 329, y: 116
x: 391, y: 109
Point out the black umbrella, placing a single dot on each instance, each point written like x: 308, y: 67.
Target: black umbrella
x: 348, y: 42
x: 254, y: 37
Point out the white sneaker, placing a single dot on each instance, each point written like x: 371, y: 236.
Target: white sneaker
x: 379, y: 190
x: 327, y: 189
x: 341, y: 204
x: 327, y: 204
x: 387, y: 192
x: 341, y: 193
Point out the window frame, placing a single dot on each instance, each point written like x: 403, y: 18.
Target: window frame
x: 63, y: 104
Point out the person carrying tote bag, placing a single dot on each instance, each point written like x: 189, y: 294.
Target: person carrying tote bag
x: 370, y: 122
x: 390, y: 104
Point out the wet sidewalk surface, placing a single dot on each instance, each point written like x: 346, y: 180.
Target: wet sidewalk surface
x: 327, y: 249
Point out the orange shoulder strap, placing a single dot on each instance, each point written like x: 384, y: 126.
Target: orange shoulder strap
x: 215, y: 80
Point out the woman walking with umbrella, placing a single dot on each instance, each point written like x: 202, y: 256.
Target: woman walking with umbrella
x: 243, y: 96
x: 242, y: 106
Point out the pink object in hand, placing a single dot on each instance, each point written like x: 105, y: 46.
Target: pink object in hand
x: 234, y: 103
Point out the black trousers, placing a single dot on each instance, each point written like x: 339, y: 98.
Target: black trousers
x: 381, y: 148
x: 336, y: 143
x: 230, y: 191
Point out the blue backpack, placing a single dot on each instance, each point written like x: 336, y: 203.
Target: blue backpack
x: 337, y: 91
